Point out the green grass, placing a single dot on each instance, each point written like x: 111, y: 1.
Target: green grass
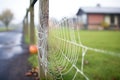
x: 33, y: 59
x: 106, y: 40
x: 102, y: 66
x: 3, y: 29
x: 27, y: 40
x: 27, y: 37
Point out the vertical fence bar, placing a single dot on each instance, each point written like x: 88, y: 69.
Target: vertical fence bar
x: 24, y: 29
x: 27, y: 26
x: 43, y: 28
x: 32, y: 27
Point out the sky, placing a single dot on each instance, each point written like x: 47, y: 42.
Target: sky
x: 18, y: 7
x: 57, y: 8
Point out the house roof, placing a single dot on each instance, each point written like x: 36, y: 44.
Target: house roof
x: 102, y: 10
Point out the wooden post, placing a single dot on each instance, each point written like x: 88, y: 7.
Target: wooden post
x: 43, y: 28
x: 24, y: 29
x: 27, y: 27
x: 32, y: 27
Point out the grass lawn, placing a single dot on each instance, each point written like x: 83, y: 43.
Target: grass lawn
x: 106, y: 40
x: 99, y: 66
x: 102, y: 66
x: 3, y: 29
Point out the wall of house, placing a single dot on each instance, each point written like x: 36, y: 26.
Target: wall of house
x: 116, y: 20
x: 95, y: 19
x: 84, y: 18
x: 107, y: 19
x: 95, y: 27
x: 112, y: 20
x: 82, y: 21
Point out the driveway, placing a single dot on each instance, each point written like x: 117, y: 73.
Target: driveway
x: 13, y: 56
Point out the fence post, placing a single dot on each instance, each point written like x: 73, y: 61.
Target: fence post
x: 43, y: 28
x: 24, y: 29
x: 32, y: 27
x: 27, y: 27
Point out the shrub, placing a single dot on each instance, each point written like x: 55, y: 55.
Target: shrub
x: 105, y: 25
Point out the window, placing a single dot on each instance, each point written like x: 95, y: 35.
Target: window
x: 112, y: 19
x: 119, y: 20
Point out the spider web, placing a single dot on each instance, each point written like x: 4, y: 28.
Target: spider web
x: 64, y: 50
x: 66, y: 53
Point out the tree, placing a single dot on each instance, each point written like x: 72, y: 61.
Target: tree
x: 6, y: 17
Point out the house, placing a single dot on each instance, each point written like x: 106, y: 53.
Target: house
x: 92, y: 17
